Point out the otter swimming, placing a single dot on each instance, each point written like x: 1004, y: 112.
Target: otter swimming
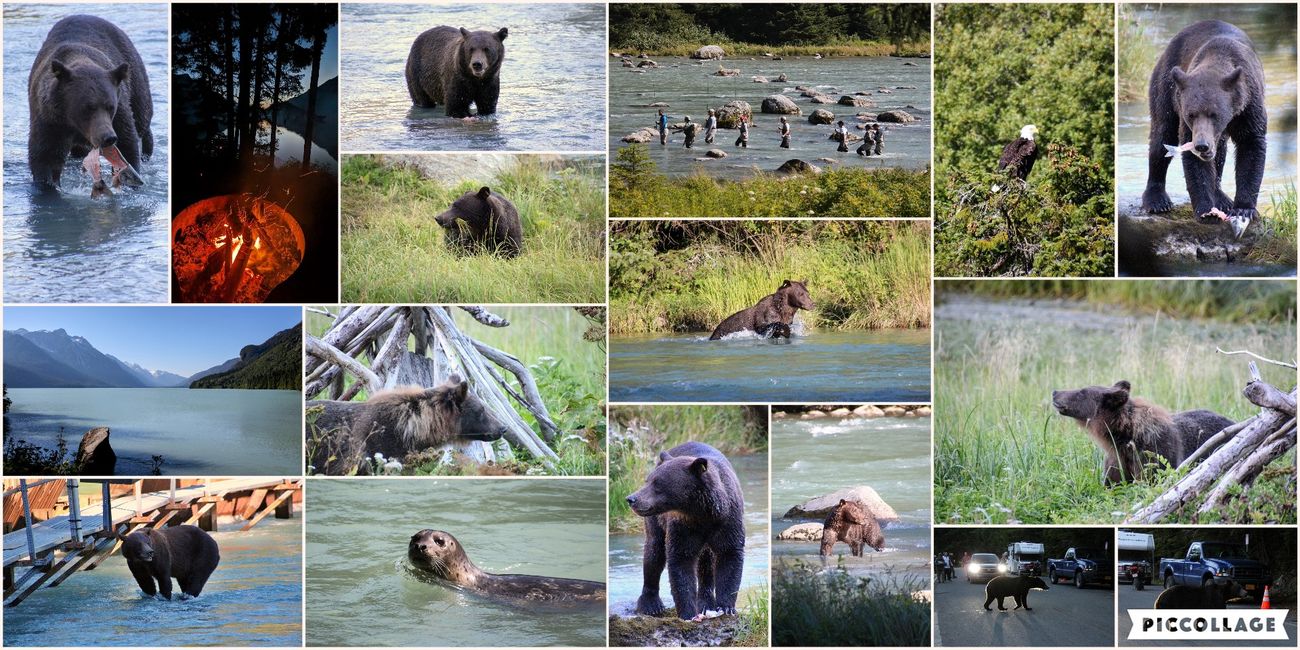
x: 439, y: 554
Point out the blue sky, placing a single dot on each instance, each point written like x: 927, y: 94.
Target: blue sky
x: 183, y: 340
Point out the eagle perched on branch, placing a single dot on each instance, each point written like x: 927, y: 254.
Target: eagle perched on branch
x: 1019, y: 155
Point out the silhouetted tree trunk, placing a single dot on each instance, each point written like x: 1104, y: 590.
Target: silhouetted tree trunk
x: 262, y: 16
x: 232, y: 141
x: 245, y: 81
x: 283, y: 38
x: 319, y: 22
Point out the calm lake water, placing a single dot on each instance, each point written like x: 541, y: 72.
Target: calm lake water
x: 552, y: 79
x: 67, y: 247
x: 811, y: 458
x: 625, y: 551
x: 254, y: 598
x: 234, y: 432
x: 849, y: 366
x: 288, y: 147
x: 361, y: 591
x: 690, y: 89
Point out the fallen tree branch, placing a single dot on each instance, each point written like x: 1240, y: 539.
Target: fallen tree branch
x: 532, y: 398
x: 1264, y: 359
x: 325, y: 351
x: 1244, y: 473
x: 486, y: 317
x: 1266, y: 396
x: 1213, y: 442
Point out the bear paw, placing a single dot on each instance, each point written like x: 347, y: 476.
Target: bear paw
x: 1156, y: 201
x: 650, y: 605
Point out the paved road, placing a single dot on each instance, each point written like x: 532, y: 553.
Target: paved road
x: 1130, y: 598
x: 1062, y: 616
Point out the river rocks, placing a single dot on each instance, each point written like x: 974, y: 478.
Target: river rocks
x: 884, y: 91
x: 730, y: 113
x: 796, y: 166
x: 812, y: 414
x: 642, y: 135
x: 866, y: 117
x: 780, y: 104
x: 841, y: 412
x: 95, y: 457
x: 822, y: 99
x: 849, y: 137
x: 760, y: 79
x: 821, y: 116
x: 904, y: 87
x: 869, y: 411
x: 647, y: 63
x: 727, y: 72
x: 923, y: 411
x: 895, y: 116
x: 801, y: 533
x: 909, y: 63
x: 715, y: 153
x: 782, y: 78
x: 670, y: 631
x: 819, y: 507
x: 828, y: 161
x: 628, y: 64
x: 1184, y: 239
x: 859, y: 102
x: 708, y: 52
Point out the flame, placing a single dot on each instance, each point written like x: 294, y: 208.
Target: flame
x: 234, y: 252
x: 257, y: 244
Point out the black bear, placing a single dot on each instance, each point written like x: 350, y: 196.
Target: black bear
x: 695, y: 523
x: 1126, y: 428
x: 182, y: 552
x: 1207, y: 87
x: 772, y: 316
x: 1213, y: 594
x: 491, y: 223
x: 87, y: 91
x: 1017, y: 587
x: 456, y: 68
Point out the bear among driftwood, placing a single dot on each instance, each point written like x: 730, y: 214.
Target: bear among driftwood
x: 1214, y: 594
x: 1125, y: 428
x: 1017, y: 587
x: 772, y: 315
x: 850, y: 523
x: 185, y: 553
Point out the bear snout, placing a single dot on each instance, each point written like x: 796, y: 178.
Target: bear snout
x: 108, y: 139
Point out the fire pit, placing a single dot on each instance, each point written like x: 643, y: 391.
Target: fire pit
x: 234, y: 248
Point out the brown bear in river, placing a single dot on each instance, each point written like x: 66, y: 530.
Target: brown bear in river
x: 182, y: 552
x: 1214, y: 594
x: 482, y: 221
x: 1017, y: 587
x: 395, y: 423
x: 772, y: 316
x: 1126, y: 428
x: 850, y: 523
x: 456, y: 67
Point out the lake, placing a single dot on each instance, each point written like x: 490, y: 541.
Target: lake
x: 552, y: 78
x: 361, y: 590
x: 811, y: 458
x: 625, y: 551
x: 198, y: 432
x: 690, y: 89
x: 66, y: 246
x: 890, y: 365
x: 254, y: 598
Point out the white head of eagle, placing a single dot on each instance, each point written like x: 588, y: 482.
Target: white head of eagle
x: 1027, y: 131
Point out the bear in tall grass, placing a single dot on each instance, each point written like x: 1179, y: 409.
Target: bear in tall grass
x: 850, y: 523
x: 185, y: 553
x: 482, y: 221
x: 772, y: 316
x: 456, y: 67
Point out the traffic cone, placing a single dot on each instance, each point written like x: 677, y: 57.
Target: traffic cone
x: 1263, y: 603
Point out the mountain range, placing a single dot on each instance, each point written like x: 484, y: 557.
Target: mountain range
x: 56, y: 359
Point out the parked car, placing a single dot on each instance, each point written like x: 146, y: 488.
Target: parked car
x: 983, y: 567
x: 1206, y: 560
x: 1083, y: 566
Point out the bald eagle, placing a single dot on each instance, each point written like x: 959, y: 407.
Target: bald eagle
x: 1019, y: 155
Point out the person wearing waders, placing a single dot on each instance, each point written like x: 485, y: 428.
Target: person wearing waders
x: 710, y: 127
x: 842, y: 134
x: 865, y: 148
x: 742, y: 140
x: 879, y: 137
x: 689, y: 130
x: 785, y: 134
x: 663, y: 127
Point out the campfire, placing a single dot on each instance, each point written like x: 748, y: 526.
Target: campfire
x: 234, y: 248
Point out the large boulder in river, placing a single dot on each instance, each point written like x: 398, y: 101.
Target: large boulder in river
x: 780, y: 104
x: 708, y: 52
x: 796, y: 166
x: 821, y: 116
x: 730, y: 113
x: 898, y: 117
x: 819, y: 507
x: 642, y: 135
x: 647, y: 63
x: 822, y: 99
x: 860, y: 102
x: 95, y: 457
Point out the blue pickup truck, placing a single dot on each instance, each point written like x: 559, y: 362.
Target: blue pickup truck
x: 1083, y: 566
x: 1206, y: 560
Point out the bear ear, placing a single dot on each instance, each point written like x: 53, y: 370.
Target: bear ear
x: 484, y: 192
x: 1123, y: 383
x: 785, y: 284
x: 700, y: 466
x: 60, y: 71
x: 464, y: 33
x: 843, y: 501
x: 1115, y: 397
x: 663, y: 457
x: 459, y: 390
x: 502, y: 33
x: 120, y: 72
x: 1230, y: 80
x: 1180, y: 77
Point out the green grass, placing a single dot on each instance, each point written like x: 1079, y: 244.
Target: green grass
x: 1278, y: 244
x: 1002, y: 454
x: 816, y: 608
x: 637, y: 190
x: 1138, y: 51
x: 393, y: 250
x: 639, y: 433
x: 753, y: 611
x: 863, y: 275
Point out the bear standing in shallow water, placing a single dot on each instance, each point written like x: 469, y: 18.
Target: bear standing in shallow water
x: 456, y: 67
x: 491, y: 223
x: 182, y: 552
x: 772, y: 315
x: 1208, y: 87
x: 850, y: 523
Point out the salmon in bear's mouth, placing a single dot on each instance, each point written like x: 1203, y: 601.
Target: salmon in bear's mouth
x: 122, y: 170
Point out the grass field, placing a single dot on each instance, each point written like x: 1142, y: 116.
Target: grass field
x: 834, y: 608
x: 1003, y: 455
x: 393, y: 250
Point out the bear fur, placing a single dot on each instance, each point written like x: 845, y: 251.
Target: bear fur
x: 772, y: 315
x: 490, y: 223
x: 1214, y: 594
x: 1207, y: 88
x: 695, y: 523
x: 185, y: 553
x: 1126, y: 428
x: 397, y: 422
x: 456, y: 67
x: 87, y: 89
x: 1017, y: 587
x: 850, y: 523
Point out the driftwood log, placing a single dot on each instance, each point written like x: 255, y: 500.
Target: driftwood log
x: 422, y: 346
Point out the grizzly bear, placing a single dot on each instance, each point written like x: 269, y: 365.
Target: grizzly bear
x: 182, y: 552
x: 490, y: 223
x: 1214, y: 594
x: 772, y: 316
x: 1126, y: 428
x: 1017, y: 587
x: 87, y: 90
x: 456, y: 68
x: 695, y: 523
x: 1207, y: 88
x: 395, y: 423
x: 850, y: 523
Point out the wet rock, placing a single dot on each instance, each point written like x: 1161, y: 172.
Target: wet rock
x: 708, y: 52
x: 869, y: 411
x: 783, y: 78
x: 852, y: 137
x: 730, y: 113
x: 627, y: 64
x: 812, y: 414
x: 95, y: 456
x: 657, y: 105
x: 715, y: 153
x: 896, y: 116
x: 819, y: 507
x: 821, y: 116
x: 780, y: 104
x: 822, y: 99
x: 859, y: 102
x: 727, y: 72
x: 801, y: 533
x: 760, y: 79
x: 1184, y: 239
x: 641, y: 135
x: 647, y: 63
x: 894, y: 411
x: 904, y: 87
x: 670, y: 631
x: 796, y: 166
x: 841, y: 413
x: 923, y: 411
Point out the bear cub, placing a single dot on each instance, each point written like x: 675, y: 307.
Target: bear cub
x: 456, y: 67
x: 1214, y: 594
x: 185, y: 553
x: 482, y: 221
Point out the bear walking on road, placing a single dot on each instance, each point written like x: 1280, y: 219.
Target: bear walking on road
x: 456, y: 67
x: 87, y: 91
x: 482, y: 221
x: 1207, y: 88
x: 772, y: 316
x: 185, y: 553
x: 1214, y: 594
x: 1017, y: 587
x: 695, y: 524
x: 850, y: 523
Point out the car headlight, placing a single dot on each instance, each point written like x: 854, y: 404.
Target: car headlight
x: 1002, y: 568
x: 975, y: 568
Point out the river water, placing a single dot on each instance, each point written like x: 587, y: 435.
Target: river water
x: 66, y: 246
x: 625, y: 551
x: 552, y: 79
x: 845, y: 366
x: 361, y: 590
x: 254, y: 598
x: 811, y: 458
x: 690, y: 89
x: 200, y: 431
